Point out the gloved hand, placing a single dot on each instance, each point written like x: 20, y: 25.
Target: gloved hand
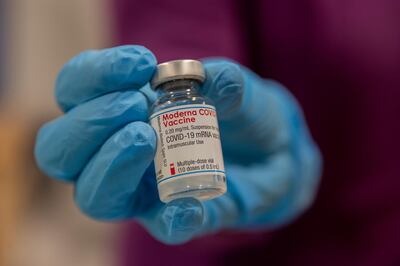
x: 104, y: 146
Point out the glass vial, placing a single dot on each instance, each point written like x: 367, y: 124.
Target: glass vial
x: 188, y: 161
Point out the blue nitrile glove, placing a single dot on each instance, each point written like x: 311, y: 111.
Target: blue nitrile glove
x: 105, y: 147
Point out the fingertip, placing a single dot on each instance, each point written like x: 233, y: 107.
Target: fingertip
x: 225, y: 70
x: 45, y: 158
x: 137, y: 134
x: 180, y: 220
x: 130, y: 65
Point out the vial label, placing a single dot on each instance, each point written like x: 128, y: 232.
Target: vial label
x: 188, y: 142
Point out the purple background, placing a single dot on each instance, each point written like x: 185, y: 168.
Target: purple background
x: 341, y: 59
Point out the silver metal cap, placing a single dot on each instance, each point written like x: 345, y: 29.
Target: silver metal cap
x: 178, y: 69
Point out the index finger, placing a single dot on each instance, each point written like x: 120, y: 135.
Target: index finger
x: 97, y: 72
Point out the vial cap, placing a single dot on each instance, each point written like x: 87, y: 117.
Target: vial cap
x: 178, y: 69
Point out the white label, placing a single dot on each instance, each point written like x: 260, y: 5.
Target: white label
x: 188, y: 141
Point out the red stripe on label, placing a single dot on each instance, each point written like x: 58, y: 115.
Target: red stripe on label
x: 172, y: 168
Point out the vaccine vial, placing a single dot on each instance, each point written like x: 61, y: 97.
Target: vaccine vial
x: 188, y: 161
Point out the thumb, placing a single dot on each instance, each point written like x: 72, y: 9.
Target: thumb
x: 224, y: 85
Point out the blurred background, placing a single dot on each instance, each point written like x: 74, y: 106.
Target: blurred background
x: 39, y: 224
x: 341, y: 59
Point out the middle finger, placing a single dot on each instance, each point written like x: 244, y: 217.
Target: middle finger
x: 66, y: 144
